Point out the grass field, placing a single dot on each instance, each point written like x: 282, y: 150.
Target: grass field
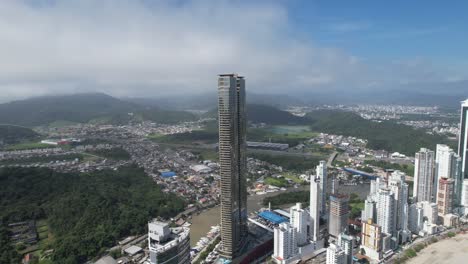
x: 29, y: 145
x: 292, y: 176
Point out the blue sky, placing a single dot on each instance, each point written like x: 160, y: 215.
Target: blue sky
x: 387, y: 29
x: 154, y: 47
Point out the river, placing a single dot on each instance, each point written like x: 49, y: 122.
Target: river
x: 203, y: 222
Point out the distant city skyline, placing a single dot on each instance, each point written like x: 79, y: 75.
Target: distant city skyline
x: 140, y: 48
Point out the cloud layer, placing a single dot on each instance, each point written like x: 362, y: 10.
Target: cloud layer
x: 147, y: 48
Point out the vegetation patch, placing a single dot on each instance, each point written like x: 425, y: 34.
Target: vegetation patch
x: 408, y: 169
x: 85, y: 212
x: 288, y: 198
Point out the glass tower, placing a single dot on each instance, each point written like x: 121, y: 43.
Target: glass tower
x: 232, y: 159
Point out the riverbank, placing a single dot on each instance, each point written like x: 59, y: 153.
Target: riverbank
x: 447, y: 251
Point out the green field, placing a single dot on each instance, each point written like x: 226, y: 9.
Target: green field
x: 278, y: 182
x: 29, y: 145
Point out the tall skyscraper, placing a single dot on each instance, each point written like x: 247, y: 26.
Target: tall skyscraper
x: 445, y: 196
x: 397, y: 184
x: 386, y: 213
x: 232, y: 159
x: 464, y: 196
x: 424, y: 176
x: 463, y: 138
x: 285, y: 248
x: 298, y: 221
x: 339, y: 212
x: 447, y: 165
x: 321, y: 171
x: 314, y: 210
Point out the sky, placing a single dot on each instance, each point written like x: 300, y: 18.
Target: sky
x: 150, y: 48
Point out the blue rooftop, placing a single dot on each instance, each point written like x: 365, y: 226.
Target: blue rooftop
x: 168, y: 174
x: 272, y: 217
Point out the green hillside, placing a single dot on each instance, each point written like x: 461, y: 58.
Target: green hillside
x: 83, y: 108
x: 385, y: 135
x: 85, y: 213
x: 13, y: 134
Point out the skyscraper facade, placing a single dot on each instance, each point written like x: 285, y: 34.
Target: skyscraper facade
x: 339, y: 211
x: 314, y: 210
x: 285, y: 248
x: 346, y: 242
x: 335, y: 254
x: 423, y: 176
x: 448, y: 165
x: 232, y: 159
x: 371, y: 240
x: 445, y: 196
x: 299, y: 221
x: 463, y: 138
x: 321, y: 171
x: 386, y: 213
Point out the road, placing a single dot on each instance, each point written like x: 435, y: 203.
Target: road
x: 331, y: 159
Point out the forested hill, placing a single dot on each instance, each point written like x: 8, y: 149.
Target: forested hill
x: 268, y: 114
x: 13, y: 134
x: 386, y: 135
x: 258, y: 113
x: 83, y: 108
x: 85, y: 212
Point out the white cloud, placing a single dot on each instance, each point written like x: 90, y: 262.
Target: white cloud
x: 133, y: 47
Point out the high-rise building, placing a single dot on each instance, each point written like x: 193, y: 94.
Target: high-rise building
x: 346, y: 242
x: 321, y: 171
x: 298, y: 221
x: 339, y: 212
x: 416, y: 218
x: 371, y: 240
x: 335, y: 254
x: 423, y: 176
x: 447, y: 165
x: 386, y: 213
x: 285, y: 248
x: 397, y: 184
x: 445, y: 196
x: 232, y: 160
x: 314, y: 210
x: 457, y: 175
x: 370, y: 210
x: 430, y: 212
x: 168, y: 245
x: 463, y: 138
x: 464, y: 196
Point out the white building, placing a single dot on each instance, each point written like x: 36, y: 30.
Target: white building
x: 285, y: 248
x: 298, y: 220
x: 346, y: 242
x: 386, y: 213
x: 397, y: 185
x: 335, y: 255
x: 448, y: 165
x: 168, y: 245
x: 464, y: 196
x: 321, y: 171
x: 430, y: 212
x: 315, y: 196
x: 416, y: 218
x: 423, y: 176
x: 370, y: 209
